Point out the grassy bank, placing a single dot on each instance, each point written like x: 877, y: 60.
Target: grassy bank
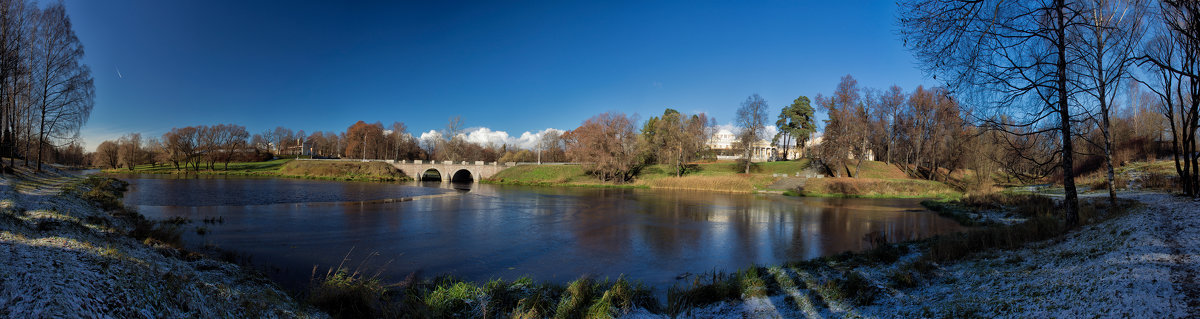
x: 289, y: 168
x: 1155, y: 175
x: 719, y: 176
x: 877, y: 188
x: 876, y: 179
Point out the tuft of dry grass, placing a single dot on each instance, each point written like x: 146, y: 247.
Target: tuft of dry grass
x: 872, y: 187
x: 347, y: 293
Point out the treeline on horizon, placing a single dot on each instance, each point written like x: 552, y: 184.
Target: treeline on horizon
x: 200, y: 147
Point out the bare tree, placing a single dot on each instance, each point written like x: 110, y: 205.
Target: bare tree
x: 182, y: 146
x: 130, y: 149
x: 1105, y: 47
x: 675, y: 138
x: 107, y: 154
x: 16, y: 79
x: 64, y: 86
x: 606, y: 144
x: 1173, y: 63
x: 891, y: 105
x: 1013, y: 54
x: 846, y: 129
x: 154, y: 152
x: 230, y: 140
x: 283, y: 138
x: 752, y: 120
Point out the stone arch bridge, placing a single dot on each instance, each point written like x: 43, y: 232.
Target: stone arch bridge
x: 447, y: 171
x: 451, y: 171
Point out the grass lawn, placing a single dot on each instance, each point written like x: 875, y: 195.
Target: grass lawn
x: 877, y: 179
x: 371, y: 171
x: 242, y: 168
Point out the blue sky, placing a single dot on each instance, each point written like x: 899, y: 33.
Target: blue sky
x: 511, y: 67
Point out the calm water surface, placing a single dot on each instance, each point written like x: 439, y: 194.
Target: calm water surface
x: 490, y: 231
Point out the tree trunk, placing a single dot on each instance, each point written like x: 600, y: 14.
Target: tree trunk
x: 41, y: 136
x: 1105, y: 130
x: 861, y: 154
x: 1071, y: 200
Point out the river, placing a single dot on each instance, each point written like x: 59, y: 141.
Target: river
x: 482, y: 231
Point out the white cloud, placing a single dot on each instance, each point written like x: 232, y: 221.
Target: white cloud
x: 771, y: 131
x: 529, y: 140
x: 485, y: 136
x: 430, y: 137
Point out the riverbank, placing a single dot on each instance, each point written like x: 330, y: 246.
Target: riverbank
x: 286, y: 168
x: 69, y: 249
x: 876, y: 180
x: 1133, y: 261
x: 1138, y: 264
x: 66, y: 254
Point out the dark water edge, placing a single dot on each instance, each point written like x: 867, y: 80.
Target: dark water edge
x: 480, y: 232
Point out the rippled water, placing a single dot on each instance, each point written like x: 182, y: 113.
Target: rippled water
x: 490, y: 231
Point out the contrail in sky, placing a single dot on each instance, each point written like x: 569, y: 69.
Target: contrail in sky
x: 119, y: 76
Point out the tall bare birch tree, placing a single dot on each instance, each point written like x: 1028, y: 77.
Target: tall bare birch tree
x: 62, y: 83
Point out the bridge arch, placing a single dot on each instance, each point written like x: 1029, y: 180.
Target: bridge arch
x: 463, y: 176
x: 430, y: 174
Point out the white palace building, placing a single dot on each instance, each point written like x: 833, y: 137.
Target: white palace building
x: 723, y: 142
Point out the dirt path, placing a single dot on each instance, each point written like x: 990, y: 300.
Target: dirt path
x: 1179, y: 220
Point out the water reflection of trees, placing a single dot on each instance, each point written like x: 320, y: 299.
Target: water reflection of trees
x: 769, y: 228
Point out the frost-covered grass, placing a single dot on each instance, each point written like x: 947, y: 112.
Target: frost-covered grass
x: 67, y: 253
x: 352, y: 295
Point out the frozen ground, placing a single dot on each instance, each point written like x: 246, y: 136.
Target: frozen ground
x: 61, y: 257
